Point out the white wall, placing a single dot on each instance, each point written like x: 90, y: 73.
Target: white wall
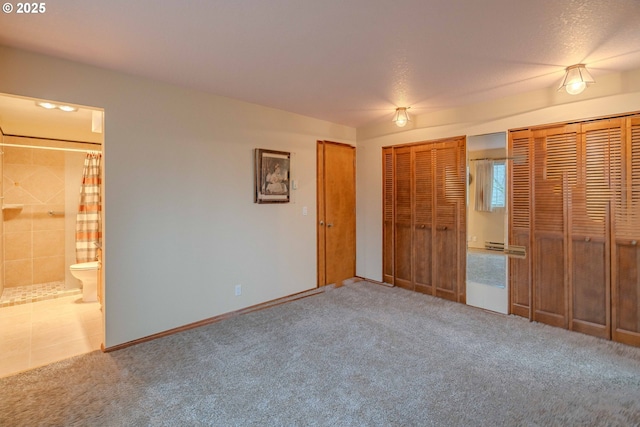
x: 616, y: 93
x: 181, y: 228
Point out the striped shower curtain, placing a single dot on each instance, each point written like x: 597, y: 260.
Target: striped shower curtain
x: 88, y: 221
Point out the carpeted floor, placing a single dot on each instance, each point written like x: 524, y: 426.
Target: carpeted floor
x: 360, y: 355
x: 487, y: 268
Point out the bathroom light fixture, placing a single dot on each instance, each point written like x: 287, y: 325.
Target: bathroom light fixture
x: 67, y: 108
x: 576, y: 79
x: 401, y: 118
x: 51, y: 106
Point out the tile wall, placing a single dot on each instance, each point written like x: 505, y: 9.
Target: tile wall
x: 33, y: 182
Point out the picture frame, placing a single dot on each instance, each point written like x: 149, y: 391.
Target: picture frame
x: 272, y: 176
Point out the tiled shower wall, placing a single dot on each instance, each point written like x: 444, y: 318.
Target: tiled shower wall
x: 33, y: 181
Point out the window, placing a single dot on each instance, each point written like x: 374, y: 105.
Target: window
x: 499, y: 185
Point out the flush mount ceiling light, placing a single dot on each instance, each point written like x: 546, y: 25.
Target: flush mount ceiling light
x: 51, y: 106
x: 47, y: 105
x: 401, y: 118
x: 576, y: 79
x: 67, y: 108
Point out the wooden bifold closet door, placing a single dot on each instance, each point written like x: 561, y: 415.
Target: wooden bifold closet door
x: 625, y: 235
x: 424, y: 217
x: 572, y: 205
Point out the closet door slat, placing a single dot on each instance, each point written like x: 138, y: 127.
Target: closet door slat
x: 403, y: 218
x: 423, y: 219
x: 450, y: 212
x: 626, y: 236
x: 589, y: 219
x: 520, y: 182
x: 387, y: 214
x: 555, y: 172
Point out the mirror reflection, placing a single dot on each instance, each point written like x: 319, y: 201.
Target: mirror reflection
x: 487, y: 222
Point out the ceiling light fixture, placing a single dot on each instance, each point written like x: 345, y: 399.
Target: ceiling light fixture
x: 576, y: 79
x: 52, y: 106
x: 401, y: 118
x: 67, y: 108
x: 47, y: 105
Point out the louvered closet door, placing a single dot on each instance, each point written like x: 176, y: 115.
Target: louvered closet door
x: 423, y: 219
x: 387, y: 212
x: 402, y: 218
x: 521, y: 151
x: 626, y: 235
x: 450, y: 209
x: 555, y: 174
x: 589, y: 223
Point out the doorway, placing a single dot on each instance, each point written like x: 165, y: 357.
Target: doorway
x: 43, y: 313
x: 336, y: 228
x: 487, y: 222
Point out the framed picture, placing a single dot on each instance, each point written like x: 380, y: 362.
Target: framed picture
x: 272, y: 176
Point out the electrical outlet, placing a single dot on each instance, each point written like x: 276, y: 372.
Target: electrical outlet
x: 238, y: 290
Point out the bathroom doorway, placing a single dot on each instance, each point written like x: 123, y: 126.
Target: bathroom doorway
x: 44, y: 316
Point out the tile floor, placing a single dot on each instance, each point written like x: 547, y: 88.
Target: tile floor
x: 43, y: 332
x: 32, y: 293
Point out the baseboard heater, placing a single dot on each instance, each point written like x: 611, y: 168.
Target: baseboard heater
x: 494, y: 246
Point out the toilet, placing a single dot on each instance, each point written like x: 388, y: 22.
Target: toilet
x: 87, y: 273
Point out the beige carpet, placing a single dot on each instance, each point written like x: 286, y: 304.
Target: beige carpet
x: 360, y: 355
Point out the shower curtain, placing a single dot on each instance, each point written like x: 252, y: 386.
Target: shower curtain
x: 88, y: 221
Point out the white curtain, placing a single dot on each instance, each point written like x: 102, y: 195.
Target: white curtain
x: 484, y: 185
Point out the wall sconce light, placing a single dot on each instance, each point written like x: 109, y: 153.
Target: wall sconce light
x: 401, y: 118
x: 576, y: 79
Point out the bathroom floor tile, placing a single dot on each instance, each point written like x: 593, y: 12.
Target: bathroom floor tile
x: 20, y: 295
x: 15, y: 347
x: 14, y: 310
x: 13, y: 365
x: 43, y: 332
x: 60, y: 351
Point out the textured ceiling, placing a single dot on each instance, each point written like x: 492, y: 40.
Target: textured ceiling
x: 347, y: 61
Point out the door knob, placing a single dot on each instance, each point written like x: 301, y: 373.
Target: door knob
x: 329, y: 224
x: 321, y: 222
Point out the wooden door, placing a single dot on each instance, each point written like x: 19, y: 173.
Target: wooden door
x: 555, y: 173
x: 423, y: 215
x: 581, y: 215
x: 449, y: 236
x: 424, y: 232
x: 387, y: 216
x: 589, y: 227
x: 520, y: 179
x: 403, y: 242
x: 336, y: 212
x: 625, y: 238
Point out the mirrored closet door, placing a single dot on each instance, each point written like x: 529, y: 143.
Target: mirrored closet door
x: 486, y: 278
